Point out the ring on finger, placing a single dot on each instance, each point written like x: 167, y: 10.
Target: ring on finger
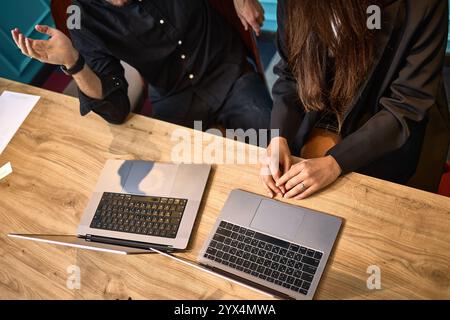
x: 302, y: 185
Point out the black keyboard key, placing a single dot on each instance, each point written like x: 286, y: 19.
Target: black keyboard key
x: 223, y: 232
x: 222, y: 224
x: 307, y: 277
x: 213, y: 244
x: 306, y: 285
x: 211, y: 251
x: 283, y: 252
x: 302, y: 250
x: 318, y: 255
x: 290, y: 280
x: 298, y: 283
x: 303, y: 291
x: 311, y: 261
x: 229, y: 226
x: 291, y: 263
x: 309, y: 269
x: 250, y: 233
x: 310, y: 253
x: 295, y: 248
x: 236, y: 228
x: 276, y: 249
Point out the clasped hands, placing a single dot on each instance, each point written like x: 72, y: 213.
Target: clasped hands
x: 300, y: 180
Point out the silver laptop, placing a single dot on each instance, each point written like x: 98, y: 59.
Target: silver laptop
x: 137, y: 206
x: 275, y: 247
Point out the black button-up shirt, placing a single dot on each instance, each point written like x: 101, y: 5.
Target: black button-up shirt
x: 176, y: 45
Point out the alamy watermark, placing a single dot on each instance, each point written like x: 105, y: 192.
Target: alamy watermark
x: 73, y: 278
x: 374, y: 280
x: 373, y: 19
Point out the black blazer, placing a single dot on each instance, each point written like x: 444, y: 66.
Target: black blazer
x: 398, y: 126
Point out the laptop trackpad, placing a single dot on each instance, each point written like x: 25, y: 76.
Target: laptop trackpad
x: 277, y: 219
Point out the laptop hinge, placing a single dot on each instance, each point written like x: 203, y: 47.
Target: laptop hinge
x: 128, y: 243
x: 248, y: 282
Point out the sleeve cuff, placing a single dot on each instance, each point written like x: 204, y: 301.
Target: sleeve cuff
x: 110, y: 85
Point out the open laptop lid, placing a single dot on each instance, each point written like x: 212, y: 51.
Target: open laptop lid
x: 79, y: 243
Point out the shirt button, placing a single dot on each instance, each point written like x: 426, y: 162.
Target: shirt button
x: 191, y: 76
x: 161, y: 21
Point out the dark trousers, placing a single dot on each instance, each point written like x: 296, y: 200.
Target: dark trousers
x: 248, y: 105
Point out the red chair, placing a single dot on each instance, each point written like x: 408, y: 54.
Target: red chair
x: 444, y: 188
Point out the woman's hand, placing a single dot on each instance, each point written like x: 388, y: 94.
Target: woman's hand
x: 251, y: 14
x: 57, y: 50
x: 277, y: 163
x: 309, y: 176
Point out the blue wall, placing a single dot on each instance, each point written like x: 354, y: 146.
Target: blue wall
x: 24, y: 14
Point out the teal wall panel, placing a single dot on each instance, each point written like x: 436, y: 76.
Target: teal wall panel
x: 270, y: 8
x: 24, y: 14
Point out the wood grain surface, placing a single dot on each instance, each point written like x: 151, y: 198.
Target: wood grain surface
x: 57, y: 157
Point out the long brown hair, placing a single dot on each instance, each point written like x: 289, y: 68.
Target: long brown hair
x: 317, y: 29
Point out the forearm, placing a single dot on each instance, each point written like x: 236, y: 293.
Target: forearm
x: 89, y: 83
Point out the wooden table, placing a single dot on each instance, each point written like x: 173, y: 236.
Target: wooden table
x: 57, y: 157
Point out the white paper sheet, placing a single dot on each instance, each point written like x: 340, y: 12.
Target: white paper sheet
x: 5, y: 171
x: 14, y: 109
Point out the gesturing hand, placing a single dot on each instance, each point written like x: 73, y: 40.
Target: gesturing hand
x: 251, y: 14
x: 309, y: 176
x: 57, y: 50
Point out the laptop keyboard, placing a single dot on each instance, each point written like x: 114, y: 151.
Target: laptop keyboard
x: 276, y: 261
x: 151, y: 216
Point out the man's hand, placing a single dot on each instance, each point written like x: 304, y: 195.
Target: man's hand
x: 309, y: 176
x: 57, y: 50
x: 251, y: 14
